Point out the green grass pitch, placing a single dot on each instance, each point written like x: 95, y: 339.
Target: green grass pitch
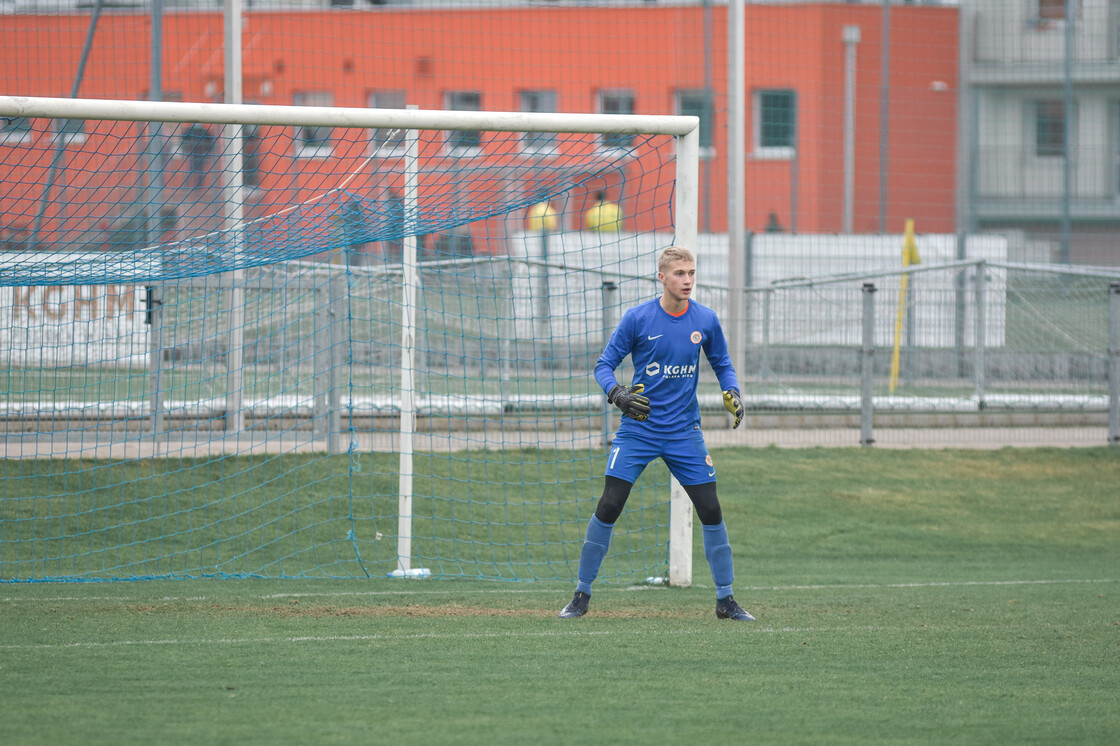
x: 928, y: 597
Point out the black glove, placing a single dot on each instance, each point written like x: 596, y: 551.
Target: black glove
x: 733, y: 403
x: 630, y: 400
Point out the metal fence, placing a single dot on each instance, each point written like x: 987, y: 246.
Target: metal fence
x: 961, y: 352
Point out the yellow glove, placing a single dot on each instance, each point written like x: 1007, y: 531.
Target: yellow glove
x: 733, y: 403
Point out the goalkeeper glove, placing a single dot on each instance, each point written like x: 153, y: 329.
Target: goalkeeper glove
x: 733, y: 403
x: 630, y: 400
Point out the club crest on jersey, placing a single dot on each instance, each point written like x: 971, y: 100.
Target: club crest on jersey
x: 708, y: 459
x: 696, y: 337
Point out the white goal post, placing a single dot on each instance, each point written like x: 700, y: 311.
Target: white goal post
x: 685, y: 209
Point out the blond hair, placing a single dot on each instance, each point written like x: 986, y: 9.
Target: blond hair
x: 674, y: 254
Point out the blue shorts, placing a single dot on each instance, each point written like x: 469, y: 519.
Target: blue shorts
x: 687, y: 458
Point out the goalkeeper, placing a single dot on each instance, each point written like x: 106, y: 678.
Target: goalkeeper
x: 661, y: 418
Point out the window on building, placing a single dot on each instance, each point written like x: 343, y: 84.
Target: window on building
x: 15, y: 129
x: 199, y: 145
x: 775, y: 123
x: 145, y: 95
x: 166, y: 134
x: 1051, y: 14
x: 1050, y: 129
x: 1116, y: 145
x: 463, y: 141
x: 616, y: 102
x: 697, y: 102
x: 14, y: 238
x: 1051, y: 10
x: 538, y: 143
x: 69, y: 131
x: 457, y: 242
x: 313, y: 142
x: 251, y: 156
x: 386, y: 142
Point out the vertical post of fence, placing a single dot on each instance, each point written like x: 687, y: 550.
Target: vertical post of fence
x: 507, y: 331
x: 153, y: 302
x: 321, y: 350
x: 1114, y: 363
x: 610, y: 288
x: 960, y: 303
x: 767, y: 309
x: 235, y: 333
x: 867, y: 364
x: 339, y: 334
x: 543, y: 310
x: 981, y: 330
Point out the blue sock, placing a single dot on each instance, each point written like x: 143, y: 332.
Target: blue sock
x: 717, y: 548
x: 594, y: 549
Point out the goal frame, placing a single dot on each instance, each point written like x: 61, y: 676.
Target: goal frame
x: 685, y: 214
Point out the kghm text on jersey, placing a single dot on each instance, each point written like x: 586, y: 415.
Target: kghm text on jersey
x: 670, y: 371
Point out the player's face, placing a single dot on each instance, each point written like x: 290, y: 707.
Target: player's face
x: 678, y: 279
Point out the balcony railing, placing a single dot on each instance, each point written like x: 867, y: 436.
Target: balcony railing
x: 1015, y: 182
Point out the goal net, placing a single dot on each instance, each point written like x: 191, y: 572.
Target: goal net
x: 318, y: 342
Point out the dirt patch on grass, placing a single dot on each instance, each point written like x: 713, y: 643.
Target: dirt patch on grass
x: 295, y: 609
x: 405, y: 610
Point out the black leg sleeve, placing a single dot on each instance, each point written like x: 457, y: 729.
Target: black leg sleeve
x: 703, y: 497
x: 615, y: 493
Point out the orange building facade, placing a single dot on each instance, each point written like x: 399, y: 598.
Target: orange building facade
x: 904, y: 134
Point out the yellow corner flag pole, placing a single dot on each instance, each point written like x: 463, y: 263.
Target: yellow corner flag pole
x: 909, y: 256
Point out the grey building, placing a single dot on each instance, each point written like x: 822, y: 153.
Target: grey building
x: 1040, y: 123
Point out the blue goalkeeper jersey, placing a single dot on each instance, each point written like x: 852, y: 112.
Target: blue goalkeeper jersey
x: 665, y: 350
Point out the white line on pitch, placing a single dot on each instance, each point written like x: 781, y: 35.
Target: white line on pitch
x: 553, y: 591
x: 656, y: 632
x: 309, y: 638
x: 840, y: 586
x: 931, y: 584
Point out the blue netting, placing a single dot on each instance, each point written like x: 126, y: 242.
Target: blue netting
x: 98, y: 218
x: 165, y: 417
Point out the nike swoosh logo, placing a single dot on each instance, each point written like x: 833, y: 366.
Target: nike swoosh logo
x: 659, y: 336
x: 712, y: 473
